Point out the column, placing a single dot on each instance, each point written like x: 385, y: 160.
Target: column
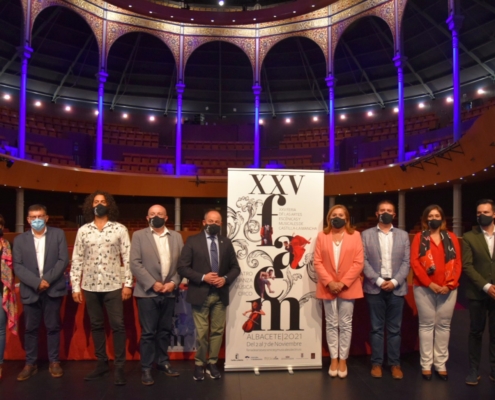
x: 177, y: 214
x: 102, y: 78
x: 19, y: 211
x: 178, y: 139
x: 331, y: 123
x: 400, y: 61
x: 402, y: 210
x: 457, y: 210
x: 24, y: 53
x: 331, y: 202
x: 257, y: 160
x: 455, y: 22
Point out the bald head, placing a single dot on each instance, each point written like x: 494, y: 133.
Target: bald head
x: 212, y: 217
x: 157, y: 210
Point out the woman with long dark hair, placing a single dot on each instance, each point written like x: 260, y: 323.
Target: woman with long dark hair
x: 436, y: 262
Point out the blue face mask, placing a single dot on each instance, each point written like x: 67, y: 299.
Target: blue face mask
x: 38, y: 224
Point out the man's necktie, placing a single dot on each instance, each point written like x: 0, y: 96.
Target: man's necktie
x: 214, y: 255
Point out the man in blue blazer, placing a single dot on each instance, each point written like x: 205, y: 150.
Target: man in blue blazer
x: 40, y: 260
x: 386, y: 267
x: 209, y: 261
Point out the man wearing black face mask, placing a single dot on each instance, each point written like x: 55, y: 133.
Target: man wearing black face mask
x: 96, y: 272
x: 478, y: 263
x: 154, y: 255
x: 209, y: 261
x: 386, y: 266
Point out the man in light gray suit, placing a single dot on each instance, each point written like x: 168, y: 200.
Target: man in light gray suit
x: 386, y: 266
x: 154, y: 255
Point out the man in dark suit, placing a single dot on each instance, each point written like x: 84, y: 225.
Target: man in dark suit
x: 478, y: 263
x: 154, y: 255
x: 40, y: 259
x: 209, y: 261
x: 386, y: 266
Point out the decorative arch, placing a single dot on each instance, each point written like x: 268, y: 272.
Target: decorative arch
x: 319, y: 36
x: 117, y: 29
x: 94, y: 22
x: 248, y: 47
x: 384, y: 12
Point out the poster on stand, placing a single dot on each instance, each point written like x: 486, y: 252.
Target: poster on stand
x: 274, y: 319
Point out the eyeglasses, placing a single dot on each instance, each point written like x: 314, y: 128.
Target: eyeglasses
x: 38, y: 217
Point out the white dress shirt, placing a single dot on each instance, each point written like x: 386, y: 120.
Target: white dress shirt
x: 489, y: 242
x: 96, y: 264
x: 161, y: 241
x: 386, y: 240
x: 336, y: 255
x: 39, y: 245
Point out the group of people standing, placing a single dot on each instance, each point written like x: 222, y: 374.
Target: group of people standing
x: 383, y: 255
x: 157, y: 259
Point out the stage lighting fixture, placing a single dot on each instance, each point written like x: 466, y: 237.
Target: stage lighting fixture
x: 403, y: 168
x: 221, y: 3
x: 9, y: 163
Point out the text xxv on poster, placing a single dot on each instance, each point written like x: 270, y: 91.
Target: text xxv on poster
x: 274, y: 320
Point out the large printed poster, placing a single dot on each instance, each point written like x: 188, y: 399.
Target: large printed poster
x: 274, y: 319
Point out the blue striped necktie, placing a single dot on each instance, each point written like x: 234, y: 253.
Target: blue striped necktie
x: 213, y: 255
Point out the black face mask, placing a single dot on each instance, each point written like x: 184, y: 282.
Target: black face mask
x: 157, y: 222
x: 337, y: 222
x: 435, y: 223
x: 212, y: 229
x: 485, y: 220
x: 386, y: 218
x: 100, y: 210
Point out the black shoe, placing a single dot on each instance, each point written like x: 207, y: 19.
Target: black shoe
x: 99, y: 372
x: 118, y: 375
x: 443, y: 377
x: 426, y: 376
x: 146, y: 378
x: 167, y: 370
x: 199, y: 373
x: 212, y: 370
x: 473, y: 377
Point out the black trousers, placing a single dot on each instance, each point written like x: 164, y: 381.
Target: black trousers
x: 156, y: 319
x: 113, y: 304
x: 47, y: 308
x: 478, y: 311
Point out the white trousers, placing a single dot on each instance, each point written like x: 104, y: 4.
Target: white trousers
x: 338, y: 318
x: 435, y: 314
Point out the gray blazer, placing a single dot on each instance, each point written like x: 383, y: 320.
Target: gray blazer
x: 373, y: 257
x: 26, y: 264
x: 145, y: 261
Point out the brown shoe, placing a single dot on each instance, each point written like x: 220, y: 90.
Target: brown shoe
x: 397, y: 372
x: 376, y: 371
x: 55, y: 369
x: 27, y: 372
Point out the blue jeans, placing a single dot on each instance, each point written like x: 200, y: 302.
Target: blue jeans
x: 3, y: 327
x: 385, y: 310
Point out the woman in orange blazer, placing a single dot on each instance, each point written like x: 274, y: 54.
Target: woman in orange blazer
x: 339, y: 261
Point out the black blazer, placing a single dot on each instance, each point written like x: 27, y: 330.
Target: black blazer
x: 194, y: 262
x: 26, y: 264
